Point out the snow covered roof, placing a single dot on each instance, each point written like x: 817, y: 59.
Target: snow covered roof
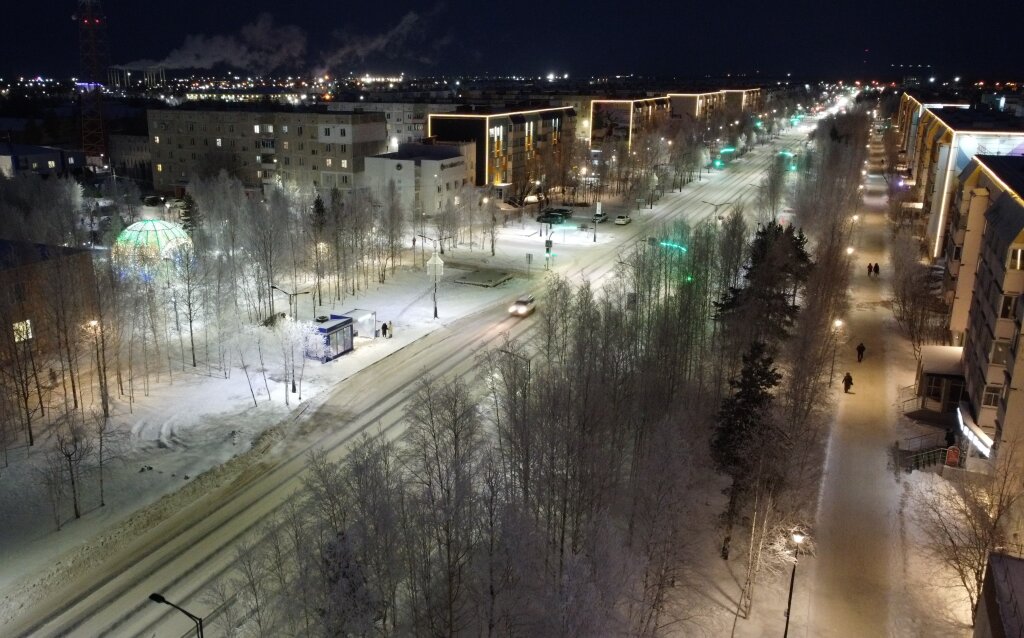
x: 942, y: 360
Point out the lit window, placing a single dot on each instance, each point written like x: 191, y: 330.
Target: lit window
x: 991, y: 396
x: 1000, y: 352
x: 71, y: 160
x: 1016, y: 259
x: 219, y: 142
x: 35, y: 165
x: 1006, y: 310
x: 22, y: 330
x: 344, y: 163
x: 285, y: 145
x: 159, y: 168
x: 284, y: 129
x: 51, y: 164
x: 156, y: 139
x: 328, y: 162
x: 256, y: 128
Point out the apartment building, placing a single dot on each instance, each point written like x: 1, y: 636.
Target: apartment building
x: 986, y: 284
x: 405, y: 121
x: 939, y: 142
x: 699, y: 106
x: 704, y: 106
x: 42, y: 160
x: 508, y: 143
x: 428, y: 178
x: 619, y: 121
x: 306, y: 146
x: 129, y: 156
x: 30, y: 275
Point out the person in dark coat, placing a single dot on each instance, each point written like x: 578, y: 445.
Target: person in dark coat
x: 847, y: 382
x: 876, y: 270
x: 870, y: 269
x: 860, y: 352
x: 384, y: 330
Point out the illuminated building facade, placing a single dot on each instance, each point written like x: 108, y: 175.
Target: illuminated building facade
x: 305, y: 146
x: 704, y: 106
x: 985, y: 284
x: 619, y: 121
x: 939, y: 143
x: 509, y: 144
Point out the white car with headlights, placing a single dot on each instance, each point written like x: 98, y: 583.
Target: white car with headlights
x: 523, y: 306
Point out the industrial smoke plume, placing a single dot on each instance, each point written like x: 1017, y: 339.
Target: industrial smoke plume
x: 263, y: 47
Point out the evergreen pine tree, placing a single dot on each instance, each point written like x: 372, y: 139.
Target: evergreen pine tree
x: 743, y: 427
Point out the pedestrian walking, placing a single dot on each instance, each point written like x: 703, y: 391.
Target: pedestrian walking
x: 876, y: 269
x: 860, y: 352
x: 847, y: 382
x: 384, y: 330
x: 870, y: 269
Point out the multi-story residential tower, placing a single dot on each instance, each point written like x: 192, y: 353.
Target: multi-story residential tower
x: 511, y: 145
x: 406, y: 121
x: 306, y: 146
x: 939, y: 143
x: 986, y: 287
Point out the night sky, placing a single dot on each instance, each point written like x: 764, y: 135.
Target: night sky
x: 598, y: 37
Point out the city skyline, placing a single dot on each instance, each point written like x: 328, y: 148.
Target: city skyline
x: 863, y: 40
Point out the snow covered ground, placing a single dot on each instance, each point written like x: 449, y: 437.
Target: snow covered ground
x: 195, y: 431
x: 189, y: 423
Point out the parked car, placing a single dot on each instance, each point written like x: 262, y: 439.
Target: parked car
x: 551, y: 219
x: 564, y: 212
x: 622, y: 220
x: 523, y: 306
x: 600, y: 218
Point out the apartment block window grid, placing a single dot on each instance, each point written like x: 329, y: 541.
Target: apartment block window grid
x: 1016, y: 261
x: 992, y: 395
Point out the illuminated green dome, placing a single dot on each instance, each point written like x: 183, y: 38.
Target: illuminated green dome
x: 149, y: 241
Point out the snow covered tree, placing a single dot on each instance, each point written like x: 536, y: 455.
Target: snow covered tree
x: 742, y: 429
x: 969, y: 515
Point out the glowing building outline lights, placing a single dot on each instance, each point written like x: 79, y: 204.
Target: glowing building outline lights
x: 487, y: 127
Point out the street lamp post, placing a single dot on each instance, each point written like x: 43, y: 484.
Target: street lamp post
x: 157, y: 598
x: 291, y: 299
x: 101, y: 368
x: 798, y: 539
x: 837, y: 325
x: 435, y: 266
x: 716, y: 207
